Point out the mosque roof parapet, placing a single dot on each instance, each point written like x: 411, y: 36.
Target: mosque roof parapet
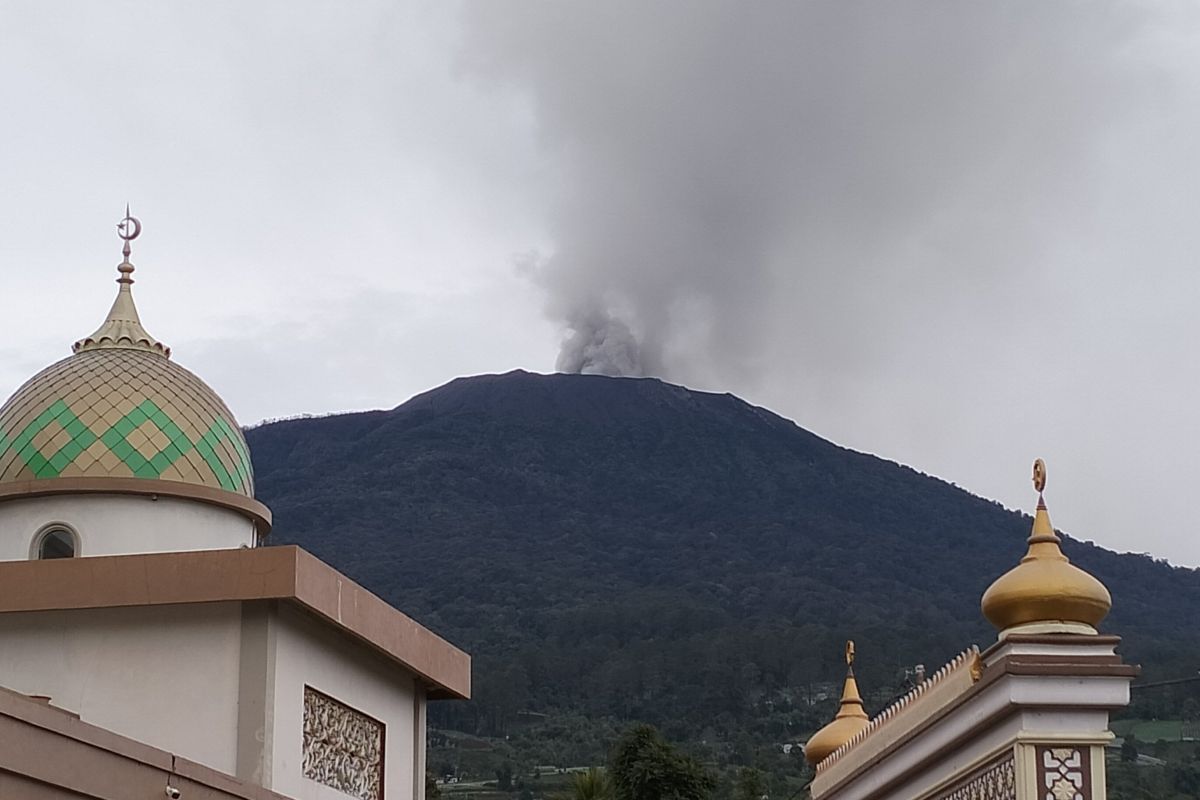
x: 903, y: 716
x: 1020, y: 674
x: 1048, y: 655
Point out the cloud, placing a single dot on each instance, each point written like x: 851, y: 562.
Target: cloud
x: 931, y: 230
x: 715, y: 159
x: 960, y: 235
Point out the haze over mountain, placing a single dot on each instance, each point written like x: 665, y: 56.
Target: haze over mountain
x: 625, y: 547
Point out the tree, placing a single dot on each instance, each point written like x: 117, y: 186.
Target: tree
x: 1129, y: 752
x: 750, y: 785
x: 1190, y: 710
x: 591, y: 785
x: 504, y: 777
x: 1186, y: 779
x: 646, y: 767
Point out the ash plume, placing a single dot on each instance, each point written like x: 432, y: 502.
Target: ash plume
x: 748, y: 186
x: 598, y: 343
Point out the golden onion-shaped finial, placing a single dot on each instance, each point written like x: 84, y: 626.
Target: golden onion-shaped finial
x: 851, y: 718
x: 1045, y: 593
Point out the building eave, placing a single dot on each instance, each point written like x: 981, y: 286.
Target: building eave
x: 287, y: 574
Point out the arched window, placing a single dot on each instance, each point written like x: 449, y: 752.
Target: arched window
x: 57, y: 541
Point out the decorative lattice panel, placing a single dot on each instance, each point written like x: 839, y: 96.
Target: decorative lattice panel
x: 343, y: 748
x: 995, y: 782
x: 1064, y: 773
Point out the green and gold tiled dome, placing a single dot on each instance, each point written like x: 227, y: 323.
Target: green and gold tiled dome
x: 122, y: 413
x: 119, y: 408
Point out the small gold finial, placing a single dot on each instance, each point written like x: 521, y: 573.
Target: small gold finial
x: 128, y: 229
x: 1039, y: 475
x: 851, y: 718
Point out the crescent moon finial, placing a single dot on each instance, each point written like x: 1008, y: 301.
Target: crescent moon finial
x: 128, y: 229
x: 1039, y: 475
x: 850, y: 653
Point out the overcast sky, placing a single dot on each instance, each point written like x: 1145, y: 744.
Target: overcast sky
x: 957, y: 235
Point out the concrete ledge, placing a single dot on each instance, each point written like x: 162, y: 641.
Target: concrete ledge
x: 288, y: 574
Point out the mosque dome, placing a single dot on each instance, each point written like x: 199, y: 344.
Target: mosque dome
x: 1045, y: 593
x: 851, y: 718
x: 118, y: 416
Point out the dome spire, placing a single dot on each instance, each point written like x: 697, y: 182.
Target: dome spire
x: 851, y: 718
x: 1045, y: 593
x: 122, y: 327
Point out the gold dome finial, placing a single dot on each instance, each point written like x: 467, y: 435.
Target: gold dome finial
x: 1045, y: 593
x: 851, y: 718
x: 122, y: 327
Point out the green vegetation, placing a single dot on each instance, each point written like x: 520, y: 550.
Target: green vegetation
x: 592, y: 784
x: 1170, y: 730
x: 645, y: 767
x: 1155, y: 771
x: 614, y: 551
x: 1158, y: 758
x: 750, y: 785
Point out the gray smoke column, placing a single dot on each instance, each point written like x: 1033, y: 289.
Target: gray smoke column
x: 738, y: 186
x: 598, y: 343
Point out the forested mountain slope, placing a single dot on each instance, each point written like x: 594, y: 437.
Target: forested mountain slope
x: 632, y: 549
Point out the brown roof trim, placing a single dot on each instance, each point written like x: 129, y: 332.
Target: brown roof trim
x: 248, y: 506
x: 1100, y: 669
x: 1021, y: 665
x: 43, y: 746
x: 1053, y: 638
x: 284, y: 573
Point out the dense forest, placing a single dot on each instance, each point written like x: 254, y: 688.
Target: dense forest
x: 614, y: 549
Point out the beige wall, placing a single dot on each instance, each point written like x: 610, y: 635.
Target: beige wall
x: 46, y: 753
x: 306, y: 653
x: 221, y: 684
x: 123, y: 524
x: 207, y: 654
x: 166, y: 676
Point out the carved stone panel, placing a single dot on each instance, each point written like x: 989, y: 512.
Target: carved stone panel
x: 1064, y: 773
x: 343, y: 748
x: 995, y: 782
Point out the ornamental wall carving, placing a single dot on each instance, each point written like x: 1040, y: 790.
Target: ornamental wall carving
x: 343, y: 748
x: 997, y: 782
x: 1064, y: 773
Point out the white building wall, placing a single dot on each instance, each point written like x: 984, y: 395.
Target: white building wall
x: 166, y: 676
x: 221, y: 684
x: 307, y: 654
x: 110, y: 525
